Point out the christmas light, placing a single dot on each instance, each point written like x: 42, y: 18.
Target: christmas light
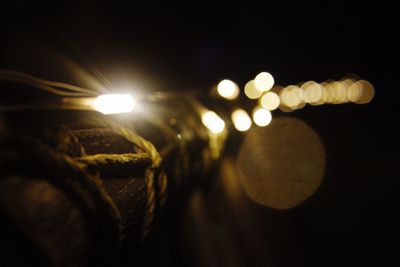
x: 114, y: 103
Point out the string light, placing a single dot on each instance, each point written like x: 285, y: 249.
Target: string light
x: 264, y: 81
x: 251, y: 91
x: 339, y: 92
x: 292, y: 96
x: 368, y: 92
x: 213, y: 122
x: 346, y: 90
x: 261, y: 116
x: 114, y: 103
x: 354, y: 92
x: 270, y: 101
x: 241, y: 120
x: 228, y: 89
x: 312, y: 92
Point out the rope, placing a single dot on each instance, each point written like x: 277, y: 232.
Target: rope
x: 154, y: 170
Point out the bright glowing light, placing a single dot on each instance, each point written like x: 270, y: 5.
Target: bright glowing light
x: 329, y: 92
x: 312, y: 92
x: 324, y: 98
x: 228, y: 89
x: 291, y: 96
x: 354, y: 92
x: 241, y: 120
x: 270, y: 101
x: 114, y: 103
x: 368, y: 92
x: 333, y: 92
x: 262, y: 117
x: 251, y: 91
x: 264, y: 81
x: 340, y: 92
x: 213, y: 122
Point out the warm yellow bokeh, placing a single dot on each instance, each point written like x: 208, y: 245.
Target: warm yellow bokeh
x: 270, y: 101
x: 354, y: 92
x: 261, y: 116
x: 264, y: 81
x: 339, y: 92
x: 329, y: 92
x: 312, y: 92
x: 291, y: 96
x: 228, y: 89
x: 241, y: 120
x: 251, y: 91
x: 213, y: 122
x: 114, y: 103
x: 368, y: 92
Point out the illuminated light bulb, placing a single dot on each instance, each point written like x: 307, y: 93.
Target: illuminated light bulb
x: 213, y: 122
x: 354, y: 92
x: 343, y: 94
x: 262, y: 117
x: 241, y: 120
x: 323, y: 98
x: 264, y: 81
x: 228, y: 89
x: 251, y: 91
x: 282, y: 96
x: 270, y: 101
x: 114, y: 103
x: 291, y: 96
x: 298, y: 92
x: 340, y: 92
x: 368, y: 92
x: 312, y: 92
x: 329, y: 93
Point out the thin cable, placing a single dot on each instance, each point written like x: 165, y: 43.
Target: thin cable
x: 46, y: 85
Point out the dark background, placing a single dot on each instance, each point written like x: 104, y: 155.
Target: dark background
x: 193, y: 45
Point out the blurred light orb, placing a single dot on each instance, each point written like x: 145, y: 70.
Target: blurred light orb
x: 241, y: 120
x: 282, y: 165
x: 213, y: 122
x: 270, y: 101
x: 251, y: 91
x: 368, y: 92
x: 312, y: 92
x: 228, y: 89
x: 261, y: 116
x: 324, y: 98
x: 329, y: 92
x: 291, y: 96
x: 264, y: 81
x: 354, y: 92
x: 339, y: 92
x: 114, y: 103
